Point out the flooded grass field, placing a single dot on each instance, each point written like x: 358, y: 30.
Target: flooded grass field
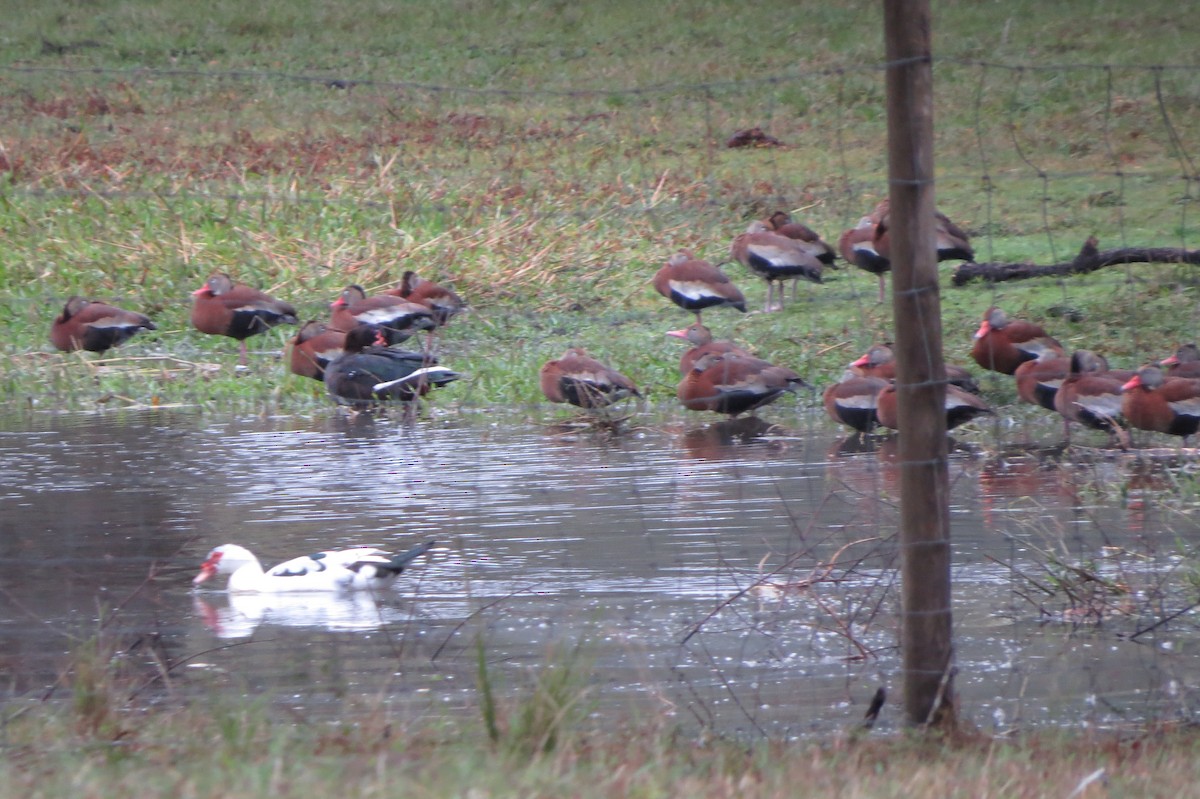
x: 741, y: 575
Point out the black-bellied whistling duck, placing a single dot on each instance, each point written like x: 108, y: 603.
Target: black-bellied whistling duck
x: 961, y: 407
x: 781, y: 222
x: 951, y: 241
x: 733, y: 384
x: 857, y: 245
x: 694, y: 284
x: 94, y: 326
x: 701, y: 339
x: 1003, y: 344
x: 1038, y: 380
x: 1091, y: 397
x: 443, y: 302
x: 368, y: 371
x: 225, y: 308
x: 313, y: 348
x: 580, y: 380
x: 1184, y: 362
x: 1160, y: 403
x: 852, y: 401
x: 880, y: 361
x: 397, y: 319
x: 774, y: 258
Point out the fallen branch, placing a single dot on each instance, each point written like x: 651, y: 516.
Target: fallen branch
x: 1089, y: 259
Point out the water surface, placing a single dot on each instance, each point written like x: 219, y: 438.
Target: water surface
x: 738, y: 575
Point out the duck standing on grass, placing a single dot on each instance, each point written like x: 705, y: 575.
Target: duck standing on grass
x: 314, y: 347
x: 444, y: 303
x: 858, y: 245
x: 1184, y: 362
x: 397, y: 319
x: 1002, y: 344
x: 694, y: 284
x: 580, y: 380
x: 225, y: 308
x: 94, y: 326
x: 1091, y: 396
x: 781, y: 222
x: 774, y: 258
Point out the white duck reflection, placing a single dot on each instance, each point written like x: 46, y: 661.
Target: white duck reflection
x: 239, y: 615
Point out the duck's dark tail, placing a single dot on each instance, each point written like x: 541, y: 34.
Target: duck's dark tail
x: 398, y: 562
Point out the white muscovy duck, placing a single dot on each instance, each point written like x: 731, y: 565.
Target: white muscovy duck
x: 357, y: 569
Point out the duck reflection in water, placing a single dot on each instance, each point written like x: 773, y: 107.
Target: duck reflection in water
x: 864, y: 474
x: 857, y: 444
x: 242, y: 614
x: 721, y: 440
x: 355, y: 425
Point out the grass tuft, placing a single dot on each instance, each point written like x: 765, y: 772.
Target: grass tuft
x: 548, y: 709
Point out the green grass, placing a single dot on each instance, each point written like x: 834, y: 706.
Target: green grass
x: 221, y: 750
x: 131, y: 726
x: 549, y: 208
x: 545, y: 159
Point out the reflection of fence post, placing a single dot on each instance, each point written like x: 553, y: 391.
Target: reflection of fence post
x: 924, y: 482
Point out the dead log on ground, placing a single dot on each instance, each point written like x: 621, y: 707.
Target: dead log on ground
x: 1089, y: 259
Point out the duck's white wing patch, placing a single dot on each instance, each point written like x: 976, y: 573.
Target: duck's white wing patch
x: 330, y: 354
x: 859, y: 402
x: 1037, y: 347
x: 381, y: 316
x: 329, y: 561
x: 1104, y: 405
x: 433, y: 373
x: 1186, y: 407
x: 778, y: 255
x: 691, y: 289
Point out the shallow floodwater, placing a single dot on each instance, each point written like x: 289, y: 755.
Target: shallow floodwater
x: 737, y: 575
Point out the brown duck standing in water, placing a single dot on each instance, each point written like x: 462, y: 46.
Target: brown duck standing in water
x: 734, y: 384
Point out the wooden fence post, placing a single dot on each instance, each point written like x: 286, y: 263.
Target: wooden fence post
x: 926, y: 633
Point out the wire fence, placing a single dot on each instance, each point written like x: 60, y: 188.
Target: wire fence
x: 1032, y: 160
